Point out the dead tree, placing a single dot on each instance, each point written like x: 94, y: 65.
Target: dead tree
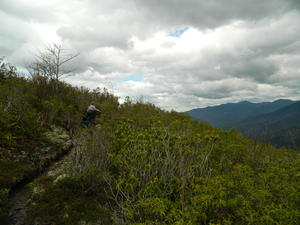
x: 51, y: 62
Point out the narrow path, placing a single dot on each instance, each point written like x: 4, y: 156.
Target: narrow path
x: 21, y: 197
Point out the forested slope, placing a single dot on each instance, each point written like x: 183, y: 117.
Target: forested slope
x: 143, y: 165
x: 276, y: 123
x: 280, y: 128
x: 228, y: 115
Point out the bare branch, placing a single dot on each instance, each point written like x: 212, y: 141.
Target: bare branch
x: 49, y: 62
x: 70, y: 58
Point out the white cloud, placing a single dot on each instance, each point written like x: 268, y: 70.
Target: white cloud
x: 229, y: 51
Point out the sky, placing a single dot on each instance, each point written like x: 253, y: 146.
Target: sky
x: 176, y: 54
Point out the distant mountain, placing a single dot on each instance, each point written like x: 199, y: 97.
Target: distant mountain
x: 276, y: 123
x: 226, y: 116
x: 280, y: 128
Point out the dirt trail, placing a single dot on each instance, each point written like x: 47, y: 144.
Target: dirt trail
x: 22, y: 196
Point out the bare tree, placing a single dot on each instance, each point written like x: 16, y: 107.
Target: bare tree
x: 50, y: 62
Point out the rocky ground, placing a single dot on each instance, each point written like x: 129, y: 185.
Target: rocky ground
x: 23, y: 195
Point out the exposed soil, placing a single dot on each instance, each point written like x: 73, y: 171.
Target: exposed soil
x: 22, y: 196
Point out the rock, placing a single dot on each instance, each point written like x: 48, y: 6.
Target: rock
x: 60, y: 177
x: 59, y: 136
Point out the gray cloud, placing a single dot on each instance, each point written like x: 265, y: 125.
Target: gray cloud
x: 30, y: 10
x: 259, y: 69
x: 231, y: 50
x: 213, y: 13
x: 9, y: 41
x: 17, y: 38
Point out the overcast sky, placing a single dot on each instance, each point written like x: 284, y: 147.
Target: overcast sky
x: 177, y: 54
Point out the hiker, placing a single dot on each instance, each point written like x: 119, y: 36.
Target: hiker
x: 90, y: 116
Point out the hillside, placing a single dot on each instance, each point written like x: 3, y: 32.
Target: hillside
x: 139, y: 165
x: 276, y: 123
x: 38, y: 120
x: 226, y: 116
x: 281, y: 128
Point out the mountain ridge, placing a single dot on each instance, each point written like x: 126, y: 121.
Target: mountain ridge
x: 225, y: 115
x: 280, y: 128
x: 275, y: 123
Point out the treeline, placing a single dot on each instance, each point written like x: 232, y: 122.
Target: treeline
x: 142, y: 165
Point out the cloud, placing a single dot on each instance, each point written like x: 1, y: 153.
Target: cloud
x: 212, y: 13
x: 31, y: 10
x: 9, y: 41
x: 176, y: 54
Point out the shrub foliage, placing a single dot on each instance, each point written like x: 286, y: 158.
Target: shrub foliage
x: 141, y: 165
